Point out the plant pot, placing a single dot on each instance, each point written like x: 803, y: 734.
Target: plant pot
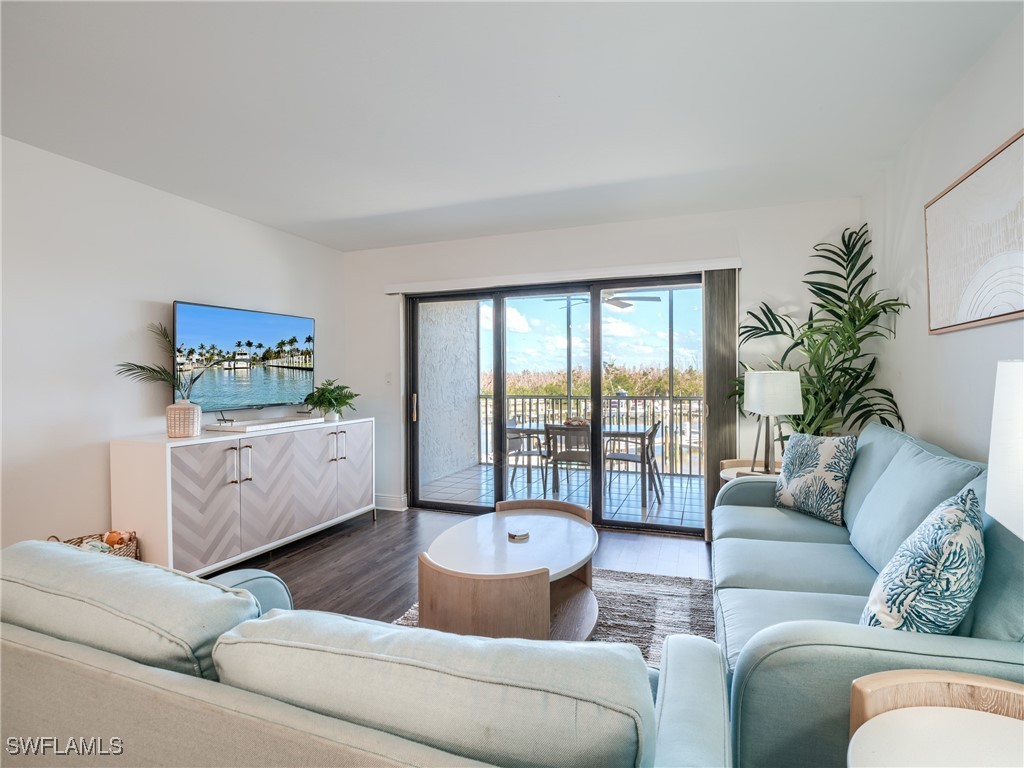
x: 330, y: 416
x: 184, y: 419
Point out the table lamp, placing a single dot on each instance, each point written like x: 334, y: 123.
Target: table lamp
x: 767, y: 394
x: 1004, y: 496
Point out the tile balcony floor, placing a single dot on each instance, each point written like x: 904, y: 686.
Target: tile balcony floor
x: 682, y: 505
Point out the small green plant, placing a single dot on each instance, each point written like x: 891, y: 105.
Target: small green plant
x: 331, y: 396
x: 181, y: 381
x: 836, y: 372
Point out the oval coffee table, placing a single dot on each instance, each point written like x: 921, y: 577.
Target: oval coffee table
x: 474, y: 580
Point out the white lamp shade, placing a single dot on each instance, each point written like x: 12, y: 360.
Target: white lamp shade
x: 1004, y: 495
x: 772, y: 393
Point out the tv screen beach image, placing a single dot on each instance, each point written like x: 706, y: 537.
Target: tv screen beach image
x: 250, y: 358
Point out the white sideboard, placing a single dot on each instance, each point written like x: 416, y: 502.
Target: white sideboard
x: 201, y: 503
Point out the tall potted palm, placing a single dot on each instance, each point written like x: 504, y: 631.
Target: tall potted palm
x: 831, y: 348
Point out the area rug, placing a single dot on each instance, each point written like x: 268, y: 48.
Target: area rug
x: 641, y: 608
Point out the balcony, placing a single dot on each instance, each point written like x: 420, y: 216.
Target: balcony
x: 679, y: 452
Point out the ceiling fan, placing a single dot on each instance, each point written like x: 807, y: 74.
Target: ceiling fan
x: 626, y: 301
x: 621, y: 301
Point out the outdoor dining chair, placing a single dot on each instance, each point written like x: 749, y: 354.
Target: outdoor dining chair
x: 628, y: 450
x: 525, y: 446
x: 566, y: 445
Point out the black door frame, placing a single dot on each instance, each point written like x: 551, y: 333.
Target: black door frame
x: 497, y: 296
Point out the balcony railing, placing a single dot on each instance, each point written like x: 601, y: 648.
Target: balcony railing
x: 680, y: 444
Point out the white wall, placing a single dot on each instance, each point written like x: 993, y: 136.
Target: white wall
x: 89, y: 259
x: 772, y: 244
x: 944, y: 382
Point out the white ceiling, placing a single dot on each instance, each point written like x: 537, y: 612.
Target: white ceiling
x: 361, y: 125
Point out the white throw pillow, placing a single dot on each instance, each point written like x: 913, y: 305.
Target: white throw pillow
x: 929, y: 584
x: 814, y: 474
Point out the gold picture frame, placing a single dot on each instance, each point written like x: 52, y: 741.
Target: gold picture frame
x: 974, y: 244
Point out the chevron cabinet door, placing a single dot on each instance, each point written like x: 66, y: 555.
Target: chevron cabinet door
x: 355, y: 467
x: 204, y: 505
x: 316, y: 493
x: 268, y: 489
x: 289, y: 484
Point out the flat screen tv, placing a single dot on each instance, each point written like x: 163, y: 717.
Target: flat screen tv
x: 266, y: 358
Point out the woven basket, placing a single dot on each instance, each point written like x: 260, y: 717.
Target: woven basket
x: 129, y: 549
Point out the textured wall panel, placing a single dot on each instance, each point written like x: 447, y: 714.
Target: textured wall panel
x: 449, y: 388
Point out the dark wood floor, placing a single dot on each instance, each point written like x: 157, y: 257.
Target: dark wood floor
x: 366, y: 568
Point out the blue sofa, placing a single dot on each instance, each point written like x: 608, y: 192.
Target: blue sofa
x: 790, y: 589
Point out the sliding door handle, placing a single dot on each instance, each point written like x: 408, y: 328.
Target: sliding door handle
x: 414, y: 413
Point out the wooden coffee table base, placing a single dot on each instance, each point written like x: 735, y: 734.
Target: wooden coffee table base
x: 573, y: 609
x: 517, y: 605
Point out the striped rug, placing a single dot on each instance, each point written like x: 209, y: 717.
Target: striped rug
x: 641, y: 608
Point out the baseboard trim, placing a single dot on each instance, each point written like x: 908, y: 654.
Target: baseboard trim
x: 392, y: 503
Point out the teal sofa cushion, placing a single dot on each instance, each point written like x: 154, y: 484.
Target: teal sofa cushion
x: 144, y: 612
x: 792, y: 566
x: 876, y: 446
x: 774, y: 524
x: 505, y: 702
x: 998, y: 609
x: 742, y: 613
x: 814, y: 475
x: 910, y: 487
x: 929, y: 584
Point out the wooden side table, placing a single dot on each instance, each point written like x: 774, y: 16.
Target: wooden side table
x: 911, y: 717
x: 730, y: 469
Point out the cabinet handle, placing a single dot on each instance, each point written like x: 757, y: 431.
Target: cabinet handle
x: 345, y: 456
x: 234, y: 464
x: 249, y: 478
x: 335, y: 456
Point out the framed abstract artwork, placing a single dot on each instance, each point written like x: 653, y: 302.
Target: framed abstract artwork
x: 974, y: 244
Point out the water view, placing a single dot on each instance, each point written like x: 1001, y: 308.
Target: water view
x: 221, y: 388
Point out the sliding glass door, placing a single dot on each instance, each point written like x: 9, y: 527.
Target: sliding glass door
x: 547, y: 396
x: 653, y: 386
x: 451, y: 462
x: 585, y: 393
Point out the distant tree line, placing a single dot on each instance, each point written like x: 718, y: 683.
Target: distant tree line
x: 258, y: 351
x: 635, y: 381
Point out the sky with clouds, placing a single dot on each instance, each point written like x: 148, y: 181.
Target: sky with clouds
x: 537, y: 335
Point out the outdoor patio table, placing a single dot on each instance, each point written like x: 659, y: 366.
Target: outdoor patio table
x: 636, y: 432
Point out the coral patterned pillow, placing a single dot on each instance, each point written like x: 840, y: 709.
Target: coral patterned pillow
x: 932, y: 579
x: 814, y: 475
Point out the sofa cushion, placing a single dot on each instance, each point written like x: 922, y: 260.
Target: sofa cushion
x: 774, y: 524
x: 997, y: 612
x: 910, y: 487
x: 932, y: 579
x: 145, y: 612
x: 793, y: 566
x: 876, y: 446
x: 742, y: 613
x: 507, y: 702
x: 814, y: 474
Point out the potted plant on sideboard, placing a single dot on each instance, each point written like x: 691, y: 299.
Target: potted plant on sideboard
x: 331, y: 398
x: 184, y: 418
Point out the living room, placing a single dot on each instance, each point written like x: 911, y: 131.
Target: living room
x: 328, y: 160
